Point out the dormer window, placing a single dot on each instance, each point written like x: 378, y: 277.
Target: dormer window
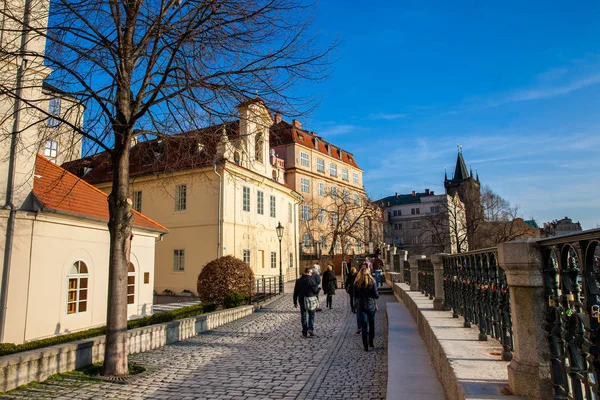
x: 301, y: 137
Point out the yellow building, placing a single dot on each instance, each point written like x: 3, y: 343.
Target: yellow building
x: 335, y: 208
x: 219, y: 191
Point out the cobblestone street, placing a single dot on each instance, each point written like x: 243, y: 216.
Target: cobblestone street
x: 262, y: 356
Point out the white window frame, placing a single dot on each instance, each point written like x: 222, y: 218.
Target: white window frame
x: 273, y: 260
x: 131, y: 279
x: 178, y: 260
x: 51, y: 150
x: 181, y: 197
x: 54, y: 107
x: 304, y: 159
x: 305, y: 213
x: 333, y: 169
x: 356, y: 199
x: 320, y: 165
x: 273, y: 207
x: 137, y: 201
x: 246, y: 198
x: 333, y: 192
x: 322, y: 189
x: 260, y: 202
x: 306, y: 241
x: 355, y: 177
x: 305, y: 185
x: 77, y: 277
x: 322, y: 215
x: 345, y: 174
x: 246, y: 256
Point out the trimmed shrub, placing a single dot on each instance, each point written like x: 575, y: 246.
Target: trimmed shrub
x: 235, y: 300
x: 224, y: 276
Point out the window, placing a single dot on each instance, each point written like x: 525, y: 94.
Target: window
x: 77, y: 289
x: 334, y: 192
x: 273, y: 259
x: 345, y: 195
x: 291, y: 260
x: 304, y: 161
x: 396, y: 226
x: 179, y: 260
x: 345, y: 174
x: 246, y: 198
x: 305, y: 185
x: 395, y: 213
x: 399, y: 213
x: 272, y: 208
x: 399, y: 226
x: 131, y: 284
x: 246, y: 256
x: 146, y: 278
x: 290, y: 216
x: 358, y: 246
x: 50, y: 150
x: 180, y: 197
x: 415, y: 211
x: 322, y: 215
x: 258, y: 147
x: 323, y: 242
x: 53, y: 109
x: 356, y: 199
x: 321, y: 189
x: 355, y: 177
x: 260, y: 202
x: 320, y: 165
x: 305, y: 213
x: 334, y: 218
x: 333, y: 169
x: 137, y: 201
x: 416, y: 224
x: 306, y: 240
x: 434, y: 210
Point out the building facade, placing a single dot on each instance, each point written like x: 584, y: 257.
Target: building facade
x: 336, y: 216
x: 559, y: 227
x: 220, y: 191
x: 425, y: 223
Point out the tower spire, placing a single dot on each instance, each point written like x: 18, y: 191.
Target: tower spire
x: 445, y: 175
x: 460, y: 172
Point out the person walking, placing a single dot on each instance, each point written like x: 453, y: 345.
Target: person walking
x: 316, y: 276
x: 349, y: 285
x: 329, y: 285
x: 305, y: 292
x: 378, y: 267
x: 366, y: 296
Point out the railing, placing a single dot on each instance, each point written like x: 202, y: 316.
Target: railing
x: 571, y: 270
x: 396, y: 263
x: 475, y: 288
x: 407, y: 272
x: 262, y: 289
x: 426, y: 279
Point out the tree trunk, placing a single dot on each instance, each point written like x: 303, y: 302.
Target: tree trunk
x: 119, y: 226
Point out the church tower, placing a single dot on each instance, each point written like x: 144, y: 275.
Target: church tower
x: 468, y: 189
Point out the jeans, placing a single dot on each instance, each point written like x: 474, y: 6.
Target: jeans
x: 367, y: 319
x: 379, y: 277
x: 310, y: 325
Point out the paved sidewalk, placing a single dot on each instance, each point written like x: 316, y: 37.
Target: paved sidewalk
x: 262, y: 356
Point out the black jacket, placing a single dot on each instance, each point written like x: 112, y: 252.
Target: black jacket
x: 365, y: 297
x: 305, y: 287
x: 329, y: 282
x: 350, y: 283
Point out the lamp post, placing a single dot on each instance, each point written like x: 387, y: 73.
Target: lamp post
x: 279, y: 230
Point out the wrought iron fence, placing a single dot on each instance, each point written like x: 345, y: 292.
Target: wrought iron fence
x: 475, y: 288
x: 571, y: 270
x: 407, y: 272
x: 262, y: 289
x: 426, y: 279
x: 396, y: 263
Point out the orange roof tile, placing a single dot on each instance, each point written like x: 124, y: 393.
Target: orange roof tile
x: 61, y: 191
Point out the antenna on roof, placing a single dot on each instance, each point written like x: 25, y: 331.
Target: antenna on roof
x: 459, y: 146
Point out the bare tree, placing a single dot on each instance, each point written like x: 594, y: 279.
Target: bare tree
x: 158, y: 68
x: 445, y: 230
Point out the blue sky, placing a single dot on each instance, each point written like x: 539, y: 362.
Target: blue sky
x: 517, y: 84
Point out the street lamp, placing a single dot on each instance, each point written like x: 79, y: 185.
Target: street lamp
x: 279, y: 230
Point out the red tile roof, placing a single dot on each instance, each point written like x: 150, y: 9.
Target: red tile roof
x: 61, y: 191
x: 284, y: 133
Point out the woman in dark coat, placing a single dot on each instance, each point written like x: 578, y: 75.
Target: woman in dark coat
x: 366, y: 295
x: 329, y: 284
x: 349, y: 285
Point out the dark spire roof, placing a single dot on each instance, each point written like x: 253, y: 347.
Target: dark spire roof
x: 460, y: 173
x: 445, y: 175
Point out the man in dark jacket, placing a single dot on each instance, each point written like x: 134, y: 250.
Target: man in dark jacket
x: 305, y: 287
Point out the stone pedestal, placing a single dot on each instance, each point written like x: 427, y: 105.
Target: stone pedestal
x: 438, y: 275
x: 529, y: 370
x: 414, y: 272
x: 402, y: 256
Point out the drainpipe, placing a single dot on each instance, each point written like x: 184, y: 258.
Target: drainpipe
x: 296, y: 233
x: 219, y: 210
x: 8, y: 205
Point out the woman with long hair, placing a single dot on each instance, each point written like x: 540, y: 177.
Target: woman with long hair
x: 365, y: 293
x: 329, y: 285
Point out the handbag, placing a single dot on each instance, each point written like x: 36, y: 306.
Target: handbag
x: 311, y: 303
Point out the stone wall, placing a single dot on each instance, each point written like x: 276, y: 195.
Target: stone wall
x: 37, y: 365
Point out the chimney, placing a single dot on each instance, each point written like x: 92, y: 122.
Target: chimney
x: 297, y: 124
x: 427, y: 192
x: 432, y: 193
x: 277, y: 118
x: 414, y: 193
x: 396, y: 194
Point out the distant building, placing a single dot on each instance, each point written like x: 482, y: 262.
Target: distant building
x: 425, y: 223
x: 561, y: 227
x: 468, y: 189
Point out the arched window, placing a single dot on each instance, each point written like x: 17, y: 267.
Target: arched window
x: 78, y: 284
x: 131, y: 284
x: 258, y: 146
